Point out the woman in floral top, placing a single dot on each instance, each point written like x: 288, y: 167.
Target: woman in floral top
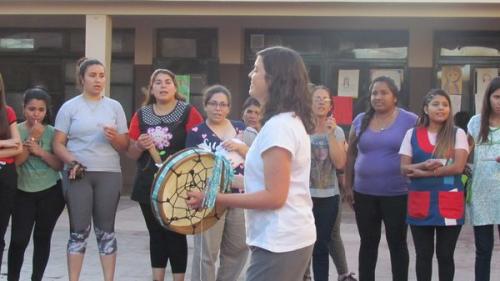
x: 159, y: 129
x: 484, y: 206
x: 220, y: 134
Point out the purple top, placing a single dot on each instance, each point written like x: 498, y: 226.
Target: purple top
x: 377, y: 167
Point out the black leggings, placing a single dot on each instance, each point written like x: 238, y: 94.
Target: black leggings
x: 164, y: 244
x: 446, y: 240
x: 484, y: 240
x: 41, y: 211
x: 371, y: 211
x: 8, y: 186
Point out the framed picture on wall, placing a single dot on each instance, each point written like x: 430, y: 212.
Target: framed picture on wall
x: 394, y: 74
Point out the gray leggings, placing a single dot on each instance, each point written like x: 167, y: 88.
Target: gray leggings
x: 95, y: 197
x: 336, y: 246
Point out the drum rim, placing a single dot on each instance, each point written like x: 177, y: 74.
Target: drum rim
x: 210, y: 217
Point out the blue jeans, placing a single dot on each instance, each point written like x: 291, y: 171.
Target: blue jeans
x: 325, y: 212
x: 483, y: 236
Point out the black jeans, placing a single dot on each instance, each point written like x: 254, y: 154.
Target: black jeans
x: 446, y: 240
x: 38, y: 211
x: 371, y: 211
x: 483, y: 236
x: 8, y: 186
x: 325, y: 212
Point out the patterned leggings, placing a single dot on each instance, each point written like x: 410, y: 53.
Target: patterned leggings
x: 93, y: 198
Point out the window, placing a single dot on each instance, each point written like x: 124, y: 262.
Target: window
x: 465, y: 63
x: 192, y: 54
x: 468, y: 44
x: 187, y: 43
x: 35, y: 42
x: 327, y: 53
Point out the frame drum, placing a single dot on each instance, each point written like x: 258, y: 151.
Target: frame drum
x: 187, y: 170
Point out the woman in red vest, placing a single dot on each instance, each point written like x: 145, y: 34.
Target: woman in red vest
x: 433, y: 156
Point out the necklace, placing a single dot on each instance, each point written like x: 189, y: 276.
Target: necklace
x: 382, y: 124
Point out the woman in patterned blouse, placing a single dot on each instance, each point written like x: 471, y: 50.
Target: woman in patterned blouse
x: 159, y: 129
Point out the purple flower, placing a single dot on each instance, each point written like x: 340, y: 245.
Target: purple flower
x: 161, y: 136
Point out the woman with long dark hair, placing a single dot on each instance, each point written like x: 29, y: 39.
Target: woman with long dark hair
x: 380, y: 191
x: 484, y: 204
x: 280, y: 222
x: 433, y: 156
x: 39, y: 199
x: 10, y: 146
x: 159, y: 129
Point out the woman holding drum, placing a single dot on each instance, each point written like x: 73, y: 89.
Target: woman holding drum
x: 159, y: 129
x: 227, y: 236
x: 281, y: 231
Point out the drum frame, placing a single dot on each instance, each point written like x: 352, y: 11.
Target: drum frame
x: 208, y: 216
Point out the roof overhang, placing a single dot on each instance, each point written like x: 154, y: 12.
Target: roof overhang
x: 328, y: 8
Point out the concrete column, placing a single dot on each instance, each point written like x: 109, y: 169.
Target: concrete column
x: 230, y: 44
x: 421, y: 46
x: 98, y: 42
x: 420, y: 63
x: 144, y: 44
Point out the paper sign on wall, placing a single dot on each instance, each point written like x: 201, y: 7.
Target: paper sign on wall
x: 342, y: 110
x: 478, y: 100
x: 348, y: 83
x: 483, y: 78
x: 394, y: 74
x: 451, y: 79
x: 456, y: 103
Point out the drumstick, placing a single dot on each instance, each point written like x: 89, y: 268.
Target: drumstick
x: 155, y: 155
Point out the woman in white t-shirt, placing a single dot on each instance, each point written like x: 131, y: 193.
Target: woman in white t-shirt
x: 280, y: 222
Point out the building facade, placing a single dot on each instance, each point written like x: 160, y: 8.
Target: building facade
x: 213, y: 41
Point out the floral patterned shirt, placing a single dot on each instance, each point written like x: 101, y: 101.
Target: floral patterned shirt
x: 203, y: 136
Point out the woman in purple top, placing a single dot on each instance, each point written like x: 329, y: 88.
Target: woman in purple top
x: 373, y: 172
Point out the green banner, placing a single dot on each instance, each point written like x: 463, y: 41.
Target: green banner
x: 183, y: 82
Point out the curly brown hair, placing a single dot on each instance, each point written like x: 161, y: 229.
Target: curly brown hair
x: 150, y: 99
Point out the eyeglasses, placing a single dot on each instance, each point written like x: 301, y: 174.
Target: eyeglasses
x: 321, y: 99
x: 218, y: 104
